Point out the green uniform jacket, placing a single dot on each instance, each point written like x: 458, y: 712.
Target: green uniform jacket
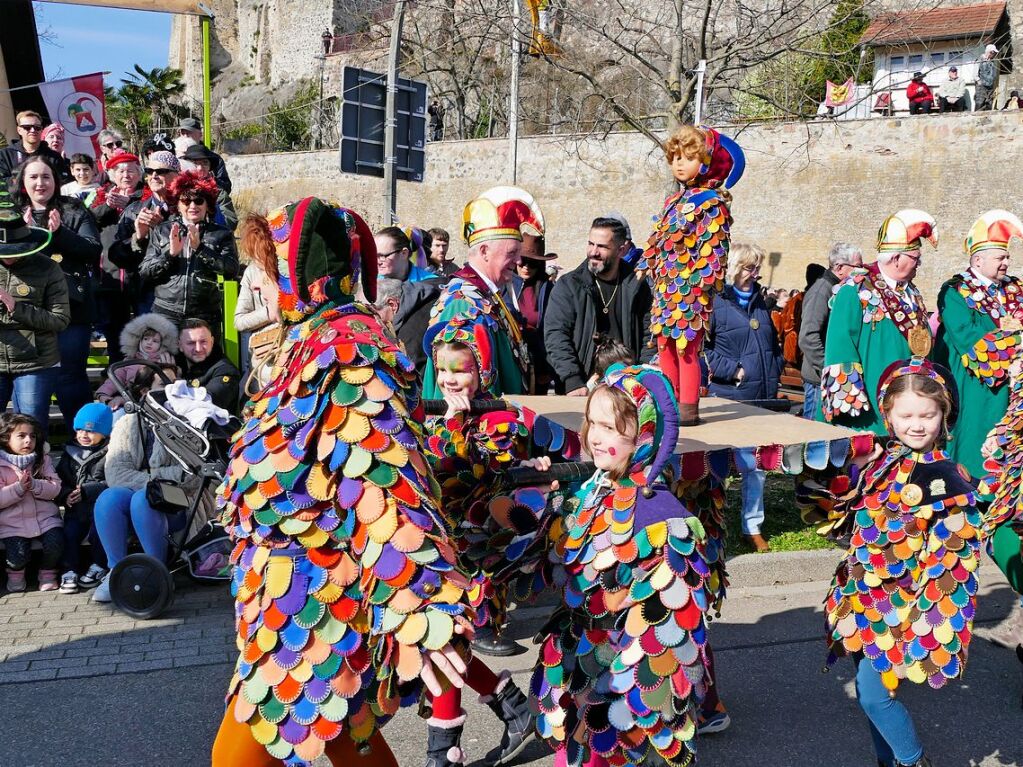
x: 980, y: 406
x: 871, y: 345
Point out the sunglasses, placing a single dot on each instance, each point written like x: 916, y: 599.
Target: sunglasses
x: 112, y: 144
x: 190, y: 200
x: 159, y: 171
x: 31, y: 128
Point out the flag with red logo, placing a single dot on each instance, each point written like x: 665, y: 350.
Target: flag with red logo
x: 840, y: 95
x: 77, y: 103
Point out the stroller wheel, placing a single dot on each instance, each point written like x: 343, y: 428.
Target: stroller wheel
x: 141, y: 586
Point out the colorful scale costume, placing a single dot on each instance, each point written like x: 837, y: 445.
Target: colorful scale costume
x: 978, y: 337
x: 687, y: 253
x: 343, y: 569
x: 905, y: 593
x: 621, y: 669
x: 501, y: 213
x: 870, y: 326
x: 468, y: 455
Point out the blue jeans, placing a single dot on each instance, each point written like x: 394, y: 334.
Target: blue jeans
x: 117, y: 508
x: 73, y: 390
x: 811, y: 400
x: 752, y: 516
x: 31, y: 393
x: 891, y: 727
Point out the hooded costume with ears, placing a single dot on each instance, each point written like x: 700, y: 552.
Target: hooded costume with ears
x: 343, y: 573
x: 622, y: 662
x: 131, y: 336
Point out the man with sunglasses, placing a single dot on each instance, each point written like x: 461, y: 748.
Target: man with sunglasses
x: 29, y: 144
x: 141, y: 217
x: 877, y: 317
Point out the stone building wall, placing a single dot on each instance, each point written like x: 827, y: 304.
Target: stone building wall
x: 806, y: 184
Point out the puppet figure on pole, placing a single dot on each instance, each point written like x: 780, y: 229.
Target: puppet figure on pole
x: 687, y: 254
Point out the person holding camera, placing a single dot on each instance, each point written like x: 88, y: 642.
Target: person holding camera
x: 188, y: 253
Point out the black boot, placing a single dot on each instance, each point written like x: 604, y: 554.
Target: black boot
x: 442, y: 744
x: 512, y: 708
x: 1019, y: 655
x: 489, y: 642
x: 923, y: 761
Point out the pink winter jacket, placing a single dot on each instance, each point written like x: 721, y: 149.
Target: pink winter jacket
x: 28, y: 514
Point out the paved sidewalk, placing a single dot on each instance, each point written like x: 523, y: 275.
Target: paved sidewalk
x: 64, y: 636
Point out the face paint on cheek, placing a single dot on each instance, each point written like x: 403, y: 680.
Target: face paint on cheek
x: 612, y: 452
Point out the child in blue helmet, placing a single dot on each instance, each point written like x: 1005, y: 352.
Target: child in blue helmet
x: 82, y: 479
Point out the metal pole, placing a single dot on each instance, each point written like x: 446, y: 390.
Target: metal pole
x: 207, y: 118
x: 513, y: 97
x: 698, y: 111
x: 391, y: 118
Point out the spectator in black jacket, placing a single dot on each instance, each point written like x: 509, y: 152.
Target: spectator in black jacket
x: 202, y: 159
x: 203, y: 364
x: 601, y: 295
x: 407, y: 305
x: 528, y: 293
x: 75, y: 245
x: 192, y: 128
x: 29, y: 144
x: 131, y: 238
x: 188, y: 253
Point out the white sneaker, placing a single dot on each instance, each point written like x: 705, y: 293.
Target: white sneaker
x: 102, y: 592
x: 69, y: 582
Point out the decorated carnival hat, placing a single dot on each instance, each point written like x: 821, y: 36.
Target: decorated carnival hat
x: 501, y: 213
x: 920, y: 366
x: 474, y: 330
x: 993, y: 231
x: 658, y: 416
x: 727, y: 160
x: 323, y: 251
x: 16, y: 237
x: 419, y: 257
x: 903, y: 231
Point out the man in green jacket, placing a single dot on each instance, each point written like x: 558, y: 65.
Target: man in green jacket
x: 981, y: 315
x: 877, y: 317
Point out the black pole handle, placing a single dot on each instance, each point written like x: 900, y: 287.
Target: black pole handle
x: 571, y: 471
x: 476, y: 406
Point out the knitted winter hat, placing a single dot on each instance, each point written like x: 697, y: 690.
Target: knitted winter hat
x: 95, y: 417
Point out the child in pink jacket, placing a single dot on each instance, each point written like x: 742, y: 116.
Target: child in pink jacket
x: 28, y: 485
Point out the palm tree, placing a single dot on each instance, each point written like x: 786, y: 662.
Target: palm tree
x: 161, y: 86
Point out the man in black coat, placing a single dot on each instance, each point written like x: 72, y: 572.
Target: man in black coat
x: 601, y: 295
x: 192, y: 128
x: 28, y: 144
x: 407, y: 305
x: 203, y: 364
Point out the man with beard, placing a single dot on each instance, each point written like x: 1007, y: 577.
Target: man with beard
x: 601, y: 295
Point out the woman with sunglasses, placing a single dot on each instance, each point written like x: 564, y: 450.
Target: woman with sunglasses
x: 110, y: 143
x: 139, y: 219
x: 188, y: 253
x: 75, y: 246
x: 117, y: 289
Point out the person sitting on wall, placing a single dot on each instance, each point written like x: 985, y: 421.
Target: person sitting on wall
x: 952, y: 96
x: 920, y: 95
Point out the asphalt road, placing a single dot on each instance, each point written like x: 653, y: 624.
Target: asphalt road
x: 769, y: 650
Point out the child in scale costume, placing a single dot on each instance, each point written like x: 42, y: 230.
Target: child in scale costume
x: 687, y: 255
x: 903, y: 599
x: 621, y: 671
x: 347, y: 596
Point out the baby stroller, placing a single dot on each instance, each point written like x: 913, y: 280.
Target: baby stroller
x: 142, y: 585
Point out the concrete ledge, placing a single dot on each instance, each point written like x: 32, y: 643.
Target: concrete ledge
x: 783, y: 567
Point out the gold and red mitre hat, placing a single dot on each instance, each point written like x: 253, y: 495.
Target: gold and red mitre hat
x: 992, y: 231
x: 501, y: 213
x: 904, y: 230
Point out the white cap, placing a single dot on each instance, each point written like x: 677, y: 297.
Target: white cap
x: 991, y: 48
x: 621, y: 219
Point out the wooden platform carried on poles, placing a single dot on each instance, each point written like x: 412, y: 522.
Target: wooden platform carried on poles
x: 729, y: 431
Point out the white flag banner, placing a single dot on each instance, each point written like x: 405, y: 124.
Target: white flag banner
x: 78, y: 104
